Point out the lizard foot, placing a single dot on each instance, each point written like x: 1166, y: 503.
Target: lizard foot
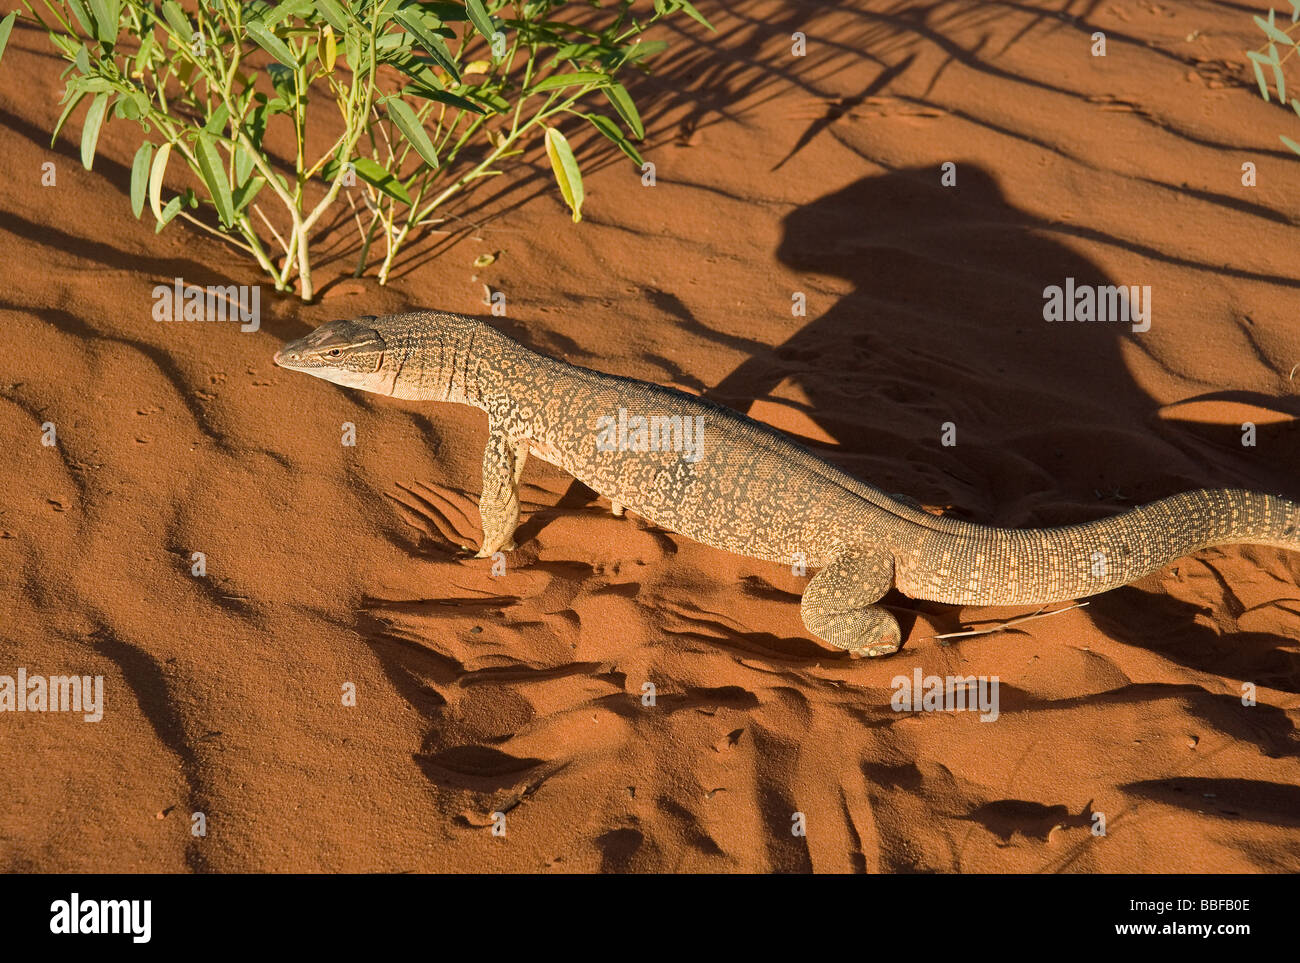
x: 839, y: 605
x: 483, y: 552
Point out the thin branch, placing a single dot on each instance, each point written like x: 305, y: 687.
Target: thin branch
x: 214, y: 232
x: 271, y: 227
x: 1040, y: 614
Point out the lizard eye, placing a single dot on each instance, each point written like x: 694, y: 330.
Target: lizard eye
x: 335, y: 352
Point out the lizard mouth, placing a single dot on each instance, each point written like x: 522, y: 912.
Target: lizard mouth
x: 336, y: 344
x: 295, y: 354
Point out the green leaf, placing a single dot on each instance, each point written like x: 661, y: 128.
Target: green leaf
x: 63, y: 117
x: 132, y: 105
x: 255, y: 125
x: 443, y: 97
x: 1295, y: 105
x: 334, y: 14
x: 352, y: 49
x: 1290, y: 143
x: 290, y: 8
x: 622, y: 101
x: 417, y: 68
x: 695, y: 14
x: 146, y: 48
x: 217, y: 122
x: 66, y: 43
x: 429, y: 41
x: 92, y: 85
x: 1259, y: 77
x: 612, y: 131
x: 493, y: 100
x: 647, y: 48
x: 156, y: 171
x: 106, y: 13
x: 446, y: 11
x: 555, y: 81
x: 6, y: 28
x: 244, y: 196
x: 140, y: 177
x: 377, y: 177
x: 90, y: 129
x: 79, y: 11
x: 567, y: 175
x: 167, y: 213
x: 478, y: 15
x: 411, y: 128
x: 244, y: 165
x: 177, y: 20
x: 214, y: 176
x: 1280, y: 82
x: 1273, y: 32
x: 383, y: 10
x: 573, y: 51
x: 271, y: 44
x: 282, y: 81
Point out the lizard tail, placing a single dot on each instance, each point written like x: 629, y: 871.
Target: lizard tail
x: 962, y: 563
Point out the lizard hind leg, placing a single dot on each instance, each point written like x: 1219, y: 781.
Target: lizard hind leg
x: 839, y: 604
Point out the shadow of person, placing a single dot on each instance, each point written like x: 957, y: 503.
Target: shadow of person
x: 943, y: 329
x: 940, y: 331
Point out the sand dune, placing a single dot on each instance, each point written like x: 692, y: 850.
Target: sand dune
x: 522, y: 694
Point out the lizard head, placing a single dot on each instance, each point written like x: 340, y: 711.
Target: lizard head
x: 348, y: 353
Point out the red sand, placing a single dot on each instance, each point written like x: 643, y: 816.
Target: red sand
x: 776, y: 174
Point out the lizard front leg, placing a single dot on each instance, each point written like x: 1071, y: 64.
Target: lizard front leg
x: 498, y: 506
x: 838, y: 605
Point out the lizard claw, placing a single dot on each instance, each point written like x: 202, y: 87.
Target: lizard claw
x: 876, y: 649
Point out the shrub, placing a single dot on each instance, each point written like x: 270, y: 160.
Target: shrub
x: 416, y: 120
x: 1267, y: 56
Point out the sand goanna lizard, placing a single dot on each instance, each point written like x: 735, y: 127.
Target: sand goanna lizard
x: 743, y: 487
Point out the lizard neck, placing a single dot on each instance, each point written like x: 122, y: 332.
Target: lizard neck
x: 452, y: 358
